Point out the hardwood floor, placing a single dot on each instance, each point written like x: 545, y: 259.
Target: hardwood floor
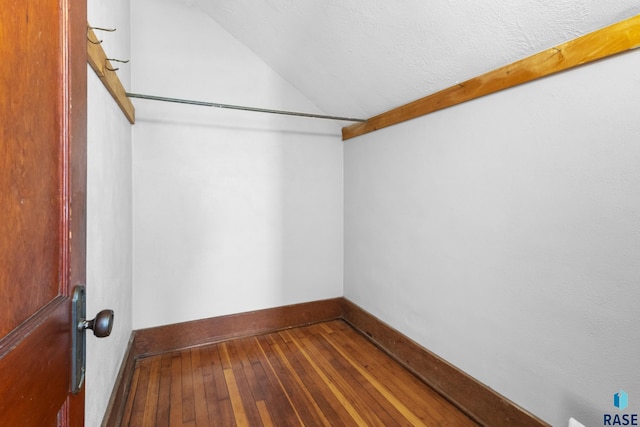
x: 324, y: 374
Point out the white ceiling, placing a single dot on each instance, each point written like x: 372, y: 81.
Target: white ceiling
x: 363, y: 57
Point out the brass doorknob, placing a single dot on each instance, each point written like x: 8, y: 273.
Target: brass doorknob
x: 101, y: 325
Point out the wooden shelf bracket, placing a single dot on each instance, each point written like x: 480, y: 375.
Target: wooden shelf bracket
x: 97, y: 58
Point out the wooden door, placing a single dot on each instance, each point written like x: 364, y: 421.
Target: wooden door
x: 42, y: 206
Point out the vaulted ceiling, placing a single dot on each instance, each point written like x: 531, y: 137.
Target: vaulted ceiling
x: 363, y: 57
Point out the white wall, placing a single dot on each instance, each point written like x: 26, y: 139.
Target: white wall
x: 504, y: 235
x: 109, y: 214
x: 233, y: 211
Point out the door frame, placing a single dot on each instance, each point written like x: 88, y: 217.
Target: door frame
x: 74, y: 99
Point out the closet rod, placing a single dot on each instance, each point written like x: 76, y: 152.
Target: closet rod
x: 240, y: 107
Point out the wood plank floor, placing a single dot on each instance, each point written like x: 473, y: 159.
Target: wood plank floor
x: 320, y: 375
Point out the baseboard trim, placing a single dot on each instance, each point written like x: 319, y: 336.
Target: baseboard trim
x: 116, y: 406
x: 479, y: 402
x: 178, y: 336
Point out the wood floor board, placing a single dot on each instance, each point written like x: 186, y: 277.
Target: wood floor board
x: 254, y: 386
x: 400, y: 383
x: 209, y: 383
x: 306, y: 406
x: 245, y: 389
x: 164, y: 391
x: 138, y: 406
x: 324, y: 374
x: 239, y: 412
x: 265, y: 416
x: 153, y: 389
x: 199, y: 394
x: 128, y: 408
x: 224, y: 356
x: 217, y: 367
x: 397, y: 388
x: 288, y: 386
x: 188, y: 399
x: 226, y: 414
x: 360, y: 406
x: 175, y: 408
x: 251, y: 352
x: 324, y: 399
x: 391, y: 410
x: 278, y: 401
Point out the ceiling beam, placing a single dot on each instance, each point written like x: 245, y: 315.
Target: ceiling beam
x: 611, y: 40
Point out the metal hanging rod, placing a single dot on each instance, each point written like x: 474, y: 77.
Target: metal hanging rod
x: 240, y: 107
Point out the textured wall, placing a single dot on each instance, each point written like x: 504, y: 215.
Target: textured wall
x: 361, y: 58
x: 504, y: 235
x: 234, y: 211
x: 109, y: 213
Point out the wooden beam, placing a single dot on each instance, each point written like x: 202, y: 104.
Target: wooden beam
x: 97, y: 58
x: 608, y: 41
